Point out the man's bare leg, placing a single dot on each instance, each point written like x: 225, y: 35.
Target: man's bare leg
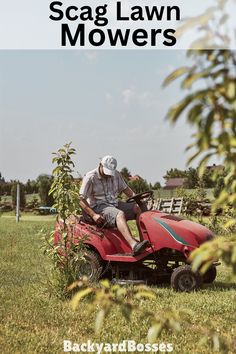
x: 137, y: 212
x: 123, y: 227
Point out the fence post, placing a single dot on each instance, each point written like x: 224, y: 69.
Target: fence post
x: 18, y: 202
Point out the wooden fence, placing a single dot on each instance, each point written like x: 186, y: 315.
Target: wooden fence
x: 171, y: 205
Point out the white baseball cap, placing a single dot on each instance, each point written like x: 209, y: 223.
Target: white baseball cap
x: 109, y: 165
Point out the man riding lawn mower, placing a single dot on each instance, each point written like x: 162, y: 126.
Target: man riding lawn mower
x: 98, y: 199
x: 165, y: 240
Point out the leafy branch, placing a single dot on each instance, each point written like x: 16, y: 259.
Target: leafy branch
x: 106, y: 297
x: 203, y: 257
x: 212, y: 112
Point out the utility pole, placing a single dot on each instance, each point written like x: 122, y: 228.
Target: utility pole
x: 18, y: 202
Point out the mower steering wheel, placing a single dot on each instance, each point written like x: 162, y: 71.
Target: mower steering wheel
x: 140, y: 196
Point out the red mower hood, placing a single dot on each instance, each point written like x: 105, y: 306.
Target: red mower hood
x: 168, y: 230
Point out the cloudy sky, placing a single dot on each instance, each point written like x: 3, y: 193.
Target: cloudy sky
x: 106, y: 102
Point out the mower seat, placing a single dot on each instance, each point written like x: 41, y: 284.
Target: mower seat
x: 85, y: 218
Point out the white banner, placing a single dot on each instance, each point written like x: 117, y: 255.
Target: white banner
x: 111, y: 24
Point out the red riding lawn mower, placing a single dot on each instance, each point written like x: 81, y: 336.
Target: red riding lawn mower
x: 171, y: 240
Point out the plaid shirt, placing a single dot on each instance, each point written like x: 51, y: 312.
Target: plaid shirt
x: 98, y: 190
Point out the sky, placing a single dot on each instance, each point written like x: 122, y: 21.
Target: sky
x: 104, y: 102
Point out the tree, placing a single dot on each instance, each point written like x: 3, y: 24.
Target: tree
x: 156, y: 185
x: 44, y: 184
x: 2, y: 184
x: 14, y: 194
x: 192, y: 180
x: 207, y: 180
x: 125, y: 173
x: 31, y: 187
x: 2, y: 179
x: 139, y: 185
x: 190, y: 175
x: 175, y: 173
x: 211, y: 110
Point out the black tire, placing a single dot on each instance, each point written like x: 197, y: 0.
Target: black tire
x: 92, y: 268
x: 184, y: 279
x: 210, y: 275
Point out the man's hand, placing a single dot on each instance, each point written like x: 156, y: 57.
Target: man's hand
x: 98, y: 219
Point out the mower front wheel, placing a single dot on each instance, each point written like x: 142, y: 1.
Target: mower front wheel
x: 210, y: 275
x: 184, y: 279
x: 92, y: 266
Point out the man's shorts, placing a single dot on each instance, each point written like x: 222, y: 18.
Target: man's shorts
x: 110, y: 212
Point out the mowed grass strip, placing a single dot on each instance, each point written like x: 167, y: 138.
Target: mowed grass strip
x: 32, y: 321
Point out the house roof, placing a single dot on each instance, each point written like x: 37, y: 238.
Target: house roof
x: 175, y: 182
x: 135, y: 178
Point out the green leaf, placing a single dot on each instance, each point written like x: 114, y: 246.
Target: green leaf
x: 206, y: 266
x: 233, y: 256
x: 105, y: 283
x: 203, y: 163
x: 79, y: 296
x: 193, y: 157
x: 174, y: 75
x: 99, y: 321
x: 220, y: 200
x: 176, y: 110
x: 231, y: 92
x: 197, y: 259
x: 194, y: 113
x: 154, y: 332
x: 191, y: 78
x: 126, y: 310
x: 174, y: 325
x: 216, y: 342
x: 230, y: 223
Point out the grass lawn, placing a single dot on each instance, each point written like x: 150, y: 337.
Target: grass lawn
x: 32, y: 321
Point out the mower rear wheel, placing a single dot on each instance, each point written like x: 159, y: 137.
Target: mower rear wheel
x: 210, y: 275
x: 92, y: 267
x: 184, y: 279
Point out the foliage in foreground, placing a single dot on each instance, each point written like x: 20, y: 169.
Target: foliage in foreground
x: 203, y: 257
x: 106, y: 297
x: 211, y: 110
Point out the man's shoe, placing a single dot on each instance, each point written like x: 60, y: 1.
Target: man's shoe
x: 140, y: 247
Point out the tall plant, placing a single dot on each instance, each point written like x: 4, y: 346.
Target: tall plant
x: 64, y: 189
x: 66, y: 255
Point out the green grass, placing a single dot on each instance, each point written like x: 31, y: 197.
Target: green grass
x: 32, y: 321
x: 28, y: 197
